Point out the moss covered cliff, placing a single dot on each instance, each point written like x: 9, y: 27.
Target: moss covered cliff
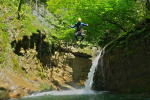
x: 126, y: 63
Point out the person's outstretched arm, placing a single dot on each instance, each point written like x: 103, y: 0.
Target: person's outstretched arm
x: 83, y: 24
x: 74, y: 26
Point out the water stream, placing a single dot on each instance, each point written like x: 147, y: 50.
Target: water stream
x: 39, y: 12
x: 88, y: 84
x: 85, y: 93
x: 89, y: 81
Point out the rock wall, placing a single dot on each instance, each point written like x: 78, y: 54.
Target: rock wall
x: 33, y: 64
x: 126, y: 63
x: 80, y: 67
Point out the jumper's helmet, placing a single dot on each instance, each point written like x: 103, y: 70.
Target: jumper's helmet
x: 79, y: 19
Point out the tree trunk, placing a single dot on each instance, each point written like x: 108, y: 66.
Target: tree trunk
x: 19, y: 8
x: 148, y: 4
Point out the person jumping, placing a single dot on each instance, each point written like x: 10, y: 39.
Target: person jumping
x: 79, y: 31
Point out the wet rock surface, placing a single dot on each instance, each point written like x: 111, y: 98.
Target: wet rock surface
x: 126, y: 65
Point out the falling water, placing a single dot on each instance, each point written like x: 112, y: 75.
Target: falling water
x: 89, y: 81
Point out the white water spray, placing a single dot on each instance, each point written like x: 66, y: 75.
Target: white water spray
x: 89, y: 81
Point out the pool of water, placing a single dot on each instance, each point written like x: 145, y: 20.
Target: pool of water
x: 80, y: 95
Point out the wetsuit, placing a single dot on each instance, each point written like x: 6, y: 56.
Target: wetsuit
x: 79, y: 31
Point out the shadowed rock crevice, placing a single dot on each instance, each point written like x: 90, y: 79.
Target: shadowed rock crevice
x: 35, y: 41
x: 44, y: 50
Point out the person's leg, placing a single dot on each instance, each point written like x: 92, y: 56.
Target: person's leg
x: 76, y: 36
x: 82, y: 37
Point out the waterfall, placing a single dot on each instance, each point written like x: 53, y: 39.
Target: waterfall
x: 89, y: 81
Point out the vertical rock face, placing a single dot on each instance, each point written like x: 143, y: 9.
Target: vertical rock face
x: 80, y: 68
x: 126, y: 64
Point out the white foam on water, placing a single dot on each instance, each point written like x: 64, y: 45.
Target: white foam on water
x: 65, y: 92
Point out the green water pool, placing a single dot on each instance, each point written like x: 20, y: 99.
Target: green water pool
x: 103, y: 96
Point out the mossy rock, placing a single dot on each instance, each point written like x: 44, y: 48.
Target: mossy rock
x: 4, y: 93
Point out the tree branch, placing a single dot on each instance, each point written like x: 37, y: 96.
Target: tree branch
x: 115, y: 23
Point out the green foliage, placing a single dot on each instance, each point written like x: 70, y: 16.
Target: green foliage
x: 11, y: 28
x: 101, y: 15
x: 3, y: 46
x: 117, y: 16
x: 45, y: 86
x: 42, y: 75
